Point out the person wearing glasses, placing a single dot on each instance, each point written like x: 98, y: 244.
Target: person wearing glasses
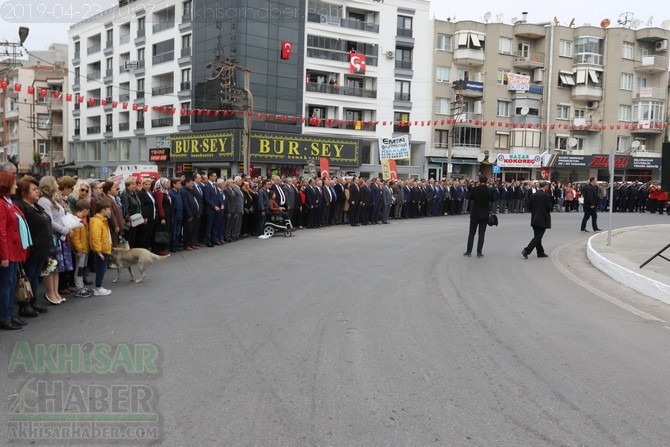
x: 81, y: 191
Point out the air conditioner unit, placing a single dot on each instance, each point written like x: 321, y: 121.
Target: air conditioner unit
x: 479, y: 106
x: 390, y: 54
x: 592, y: 104
x: 662, y: 45
x: 538, y: 75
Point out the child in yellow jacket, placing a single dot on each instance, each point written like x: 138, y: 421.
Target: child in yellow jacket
x: 80, y: 247
x: 101, y: 243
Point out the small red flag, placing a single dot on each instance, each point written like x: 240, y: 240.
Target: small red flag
x: 286, y: 48
x: 43, y: 93
x: 394, y: 169
x: 325, y: 167
x: 31, y: 89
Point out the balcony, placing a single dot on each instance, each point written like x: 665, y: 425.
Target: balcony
x: 342, y: 22
x: 56, y: 130
x: 184, y: 86
x: 403, y: 65
x: 402, y: 97
x: 360, y: 125
x: 93, y: 49
x: 529, y: 61
x: 469, y: 89
x: 157, y: 28
x: 165, y: 57
x: 139, y: 125
x: 124, y: 39
x: 468, y: 119
x: 161, y: 122
x: 404, y: 32
x: 651, y: 64
x: 650, y: 93
x: 124, y: 126
x: 92, y: 130
x: 163, y: 90
x: 339, y: 90
x: 648, y: 127
x: 93, y: 75
x: 140, y: 94
x: 529, y: 30
x: 338, y: 56
x: 584, y: 124
x: 587, y: 93
x: 469, y: 56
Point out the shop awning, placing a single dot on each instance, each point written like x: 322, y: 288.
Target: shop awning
x: 456, y: 161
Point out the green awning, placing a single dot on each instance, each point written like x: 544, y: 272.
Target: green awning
x: 456, y: 161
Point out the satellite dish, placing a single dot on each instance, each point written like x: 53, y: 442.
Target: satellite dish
x: 500, y: 17
x: 555, y: 21
x: 572, y: 142
x: 481, y: 157
x: 492, y: 158
x: 665, y: 24
x: 572, y: 23
x: 635, y: 144
x: 604, y: 23
x: 635, y: 23
x: 650, y: 21
x: 514, y: 20
x: 524, y: 110
x: 487, y: 16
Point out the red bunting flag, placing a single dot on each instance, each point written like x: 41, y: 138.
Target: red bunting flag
x: 17, y: 87
x: 135, y: 106
x: 114, y: 104
x: 80, y: 99
x: 145, y: 108
x: 68, y: 97
x: 91, y: 102
x: 43, y: 93
x: 124, y: 106
x: 31, y: 89
x: 57, y: 94
x: 3, y: 84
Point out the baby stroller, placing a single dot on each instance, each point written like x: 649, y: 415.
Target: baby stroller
x: 278, y: 222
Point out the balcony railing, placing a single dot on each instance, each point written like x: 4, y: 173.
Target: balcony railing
x: 185, y: 86
x: 338, y: 56
x: 405, y: 65
x: 140, y: 94
x: 139, y: 124
x: 402, y: 96
x: 186, y: 17
x: 95, y: 74
x: 359, y: 25
x: 124, y: 126
x: 141, y: 32
x: 124, y: 97
x: 161, y: 122
x: 339, y: 90
x: 93, y: 49
x: 109, y: 128
x: 165, y: 57
x: 77, y: 131
x: 186, y: 52
x: 124, y: 39
x: 92, y: 129
x: 404, y: 32
x: 162, y: 26
x: 164, y: 90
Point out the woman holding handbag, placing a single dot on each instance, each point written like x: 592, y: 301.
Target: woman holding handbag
x: 14, y: 242
x: 161, y: 245
x: 39, y: 224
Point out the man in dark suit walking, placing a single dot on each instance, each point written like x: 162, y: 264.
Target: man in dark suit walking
x: 540, y: 206
x: 590, y: 195
x: 481, y: 198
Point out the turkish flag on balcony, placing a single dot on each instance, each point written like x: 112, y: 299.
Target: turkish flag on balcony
x: 286, y: 48
x: 357, y: 63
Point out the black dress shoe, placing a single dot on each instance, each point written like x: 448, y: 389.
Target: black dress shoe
x: 467, y: 253
x: 542, y: 255
x: 480, y: 255
x: 585, y: 231
x: 597, y: 229
x: 9, y: 325
x: 28, y: 312
x: 524, y: 253
x: 19, y: 321
x: 38, y: 307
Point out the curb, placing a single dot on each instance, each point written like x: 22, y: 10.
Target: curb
x: 623, y: 274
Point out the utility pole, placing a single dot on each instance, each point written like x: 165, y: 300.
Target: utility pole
x: 231, y: 95
x: 456, y: 110
x: 12, y: 49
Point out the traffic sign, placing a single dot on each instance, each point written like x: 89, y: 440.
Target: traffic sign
x: 496, y: 169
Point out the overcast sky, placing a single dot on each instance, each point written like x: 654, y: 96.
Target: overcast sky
x: 43, y: 33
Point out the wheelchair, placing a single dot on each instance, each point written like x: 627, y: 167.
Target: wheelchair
x: 277, y: 223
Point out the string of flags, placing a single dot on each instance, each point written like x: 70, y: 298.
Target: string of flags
x: 318, y: 122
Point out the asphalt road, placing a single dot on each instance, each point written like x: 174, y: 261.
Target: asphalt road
x: 384, y: 336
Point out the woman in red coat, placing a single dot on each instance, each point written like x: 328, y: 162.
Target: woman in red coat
x: 13, y: 250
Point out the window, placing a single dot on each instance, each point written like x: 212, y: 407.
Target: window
x: 565, y: 79
x: 505, y: 45
x: 403, y: 58
x: 185, y: 79
x: 588, y: 76
x: 502, y: 108
x: 186, y: 9
x: 77, y: 49
x: 109, y: 92
x: 562, y: 112
x: 110, y: 38
x: 627, y: 50
x: 400, y: 120
x: 624, y: 113
x: 442, y: 106
x: 589, y: 50
x: 470, y: 40
x: 112, y: 150
x: 140, y: 54
x: 526, y: 138
x: 141, y: 24
x: 77, y: 74
x: 565, y: 48
x: 441, y: 139
x: 502, y: 76
x: 402, y: 91
x: 462, y: 75
x: 626, y: 81
x: 561, y: 142
x: 622, y: 143
x: 109, y: 64
x: 140, y: 85
x: 404, y: 26
x: 186, y: 41
x: 444, y: 42
x: 442, y: 74
x: 580, y: 113
x: 43, y: 121
x: 641, y: 82
x: 501, y: 140
x: 124, y: 150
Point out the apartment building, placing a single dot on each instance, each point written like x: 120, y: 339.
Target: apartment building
x: 543, y: 100
x: 32, y: 112
x: 231, y: 88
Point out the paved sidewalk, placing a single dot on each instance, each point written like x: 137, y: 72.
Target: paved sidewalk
x: 629, y: 249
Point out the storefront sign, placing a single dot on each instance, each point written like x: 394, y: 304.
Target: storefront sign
x: 394, y: 148
x: 299, y: 149
x: 159, y: 154
x: 519, y: 161
x: 601, y: 161
x: 646, y: 163
x: 218, y: 146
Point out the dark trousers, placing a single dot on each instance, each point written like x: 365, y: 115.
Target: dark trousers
x: 536, y: 242
x: 33, y: 270
x: 100, y: 269
x: 593, y: 214
x: 177, y: 238
x: 353, y: 214
x: 477, y: 224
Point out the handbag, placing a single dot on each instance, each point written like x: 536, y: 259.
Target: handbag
x: 24, y: 291
x: 136, y: 220
x: 493, y: 220
x: 162, y: 238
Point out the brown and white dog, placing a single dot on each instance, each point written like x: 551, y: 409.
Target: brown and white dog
x: 126, y: 258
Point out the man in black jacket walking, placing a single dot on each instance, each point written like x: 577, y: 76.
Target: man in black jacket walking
x: 590, y: 195
x: 540, y: 206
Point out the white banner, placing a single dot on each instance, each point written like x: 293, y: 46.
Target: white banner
x: 394, y: 148
x: 518, y: 82
x: 519, y: 161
